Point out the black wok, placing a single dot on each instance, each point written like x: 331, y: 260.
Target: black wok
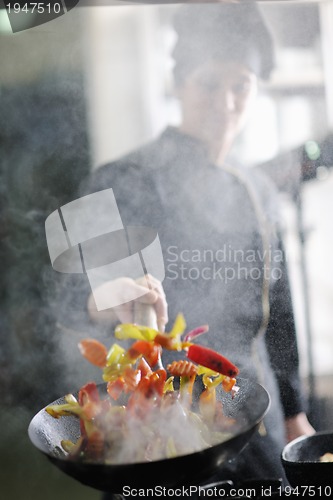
x: 300, y: 459
x: 248, y: 409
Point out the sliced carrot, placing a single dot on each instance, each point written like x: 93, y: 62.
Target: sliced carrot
x: 94, y: 351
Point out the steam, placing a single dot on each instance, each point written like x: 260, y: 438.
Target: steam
x: 157, y: 432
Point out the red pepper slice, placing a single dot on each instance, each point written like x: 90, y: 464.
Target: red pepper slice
x: 149, y: 350
x: 90, y: 401
x: 144, y: 368
x: 116, y: 387
x: 89, y: 393
x: 212, y: 360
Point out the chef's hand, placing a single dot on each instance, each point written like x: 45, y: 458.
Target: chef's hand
x: 123, y: 288
x: 298, y: 426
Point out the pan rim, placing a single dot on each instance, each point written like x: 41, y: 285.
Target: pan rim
x: 301, y: 439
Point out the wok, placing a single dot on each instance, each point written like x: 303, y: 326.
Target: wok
x: 300, y: 459
x: 248, y: 409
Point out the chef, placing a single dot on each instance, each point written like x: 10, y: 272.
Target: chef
x: 218, y: 223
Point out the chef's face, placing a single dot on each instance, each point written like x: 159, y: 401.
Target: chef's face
x: 216, y: 99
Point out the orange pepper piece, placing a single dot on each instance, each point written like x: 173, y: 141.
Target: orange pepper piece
x: 94, y: 351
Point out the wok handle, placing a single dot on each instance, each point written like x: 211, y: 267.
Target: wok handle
x: 145, y: 315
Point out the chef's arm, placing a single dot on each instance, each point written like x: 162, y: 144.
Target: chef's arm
x: 283, y: 350
x: 129, y: 183
x: 297, y: 426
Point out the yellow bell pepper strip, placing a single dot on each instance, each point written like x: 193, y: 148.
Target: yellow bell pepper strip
x: 227, y: 383
x: 115, y: 355
x: 117, y: 362
x: 178, y: 326
x: 147, y: 332
x: 211, y: 359
x: 71, y: 399
x: 131, y: 331
x: 168, y: 385
x: 171, y: 340
x: 71, y: 407
x: 210, y: 382
x: 73, y: 449
x: 207, y: 400
x: 112, y: 372
x: 171, y: 450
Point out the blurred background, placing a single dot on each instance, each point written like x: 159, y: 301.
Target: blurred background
x: 92, y: 85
